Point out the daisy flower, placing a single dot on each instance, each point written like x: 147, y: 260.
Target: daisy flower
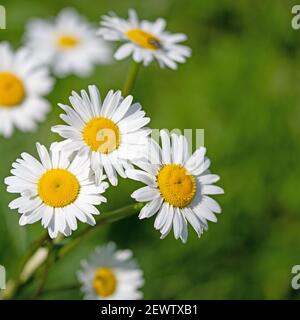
x: 178, y: 187
x: 69, y: 44
x: 56, y: 189
x: 110, y: 274
x: 23, y: 83
x: 144, y: 40
x: 112, y: 132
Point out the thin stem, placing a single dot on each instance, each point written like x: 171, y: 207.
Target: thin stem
x: 17, y: 283
x: 105, y: 218
x: 131, y: 78
x: 48, y: 263
x: 14, y: 285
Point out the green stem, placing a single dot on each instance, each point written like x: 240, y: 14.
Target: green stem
x: 131, y: 78
x: 105, y: 218
x: 48, y: 263
x: 18, y: 282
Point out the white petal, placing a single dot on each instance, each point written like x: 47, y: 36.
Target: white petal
x: 141, y: 176
x: 211, y: 204
x: 145, y: 194
x: 210, y: 189
x: 209, y: 178
x: 166, y: 147
x: 124, y: 51
x: 151, y: 208
x: 193, y: 220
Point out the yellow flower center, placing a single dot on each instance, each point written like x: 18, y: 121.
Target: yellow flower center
x: 101, y: 135
x: 176, y: 185
x: 66, y: 42
x: 144, y: 39
x: 58, y: 188
x: 105, y: 282
x: 12, y: 91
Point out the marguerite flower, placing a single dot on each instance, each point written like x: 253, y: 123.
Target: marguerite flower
x: 178, y: 187
x: 57, y: 190
x: 111, y: 274
x: 23, y: 83
x: 69, y: 43
x: 112, y: 132
x: 145, y: 40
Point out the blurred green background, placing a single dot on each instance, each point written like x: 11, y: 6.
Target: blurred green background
x: 242, y: 86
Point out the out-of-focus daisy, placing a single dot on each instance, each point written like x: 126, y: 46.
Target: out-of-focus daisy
x: 113, y: 133
x: 111, y: 274
x: 57, y: 190
x: 23, y: 83
x: 69, y: 43
x: 144, y: 40
x: 178, y: 187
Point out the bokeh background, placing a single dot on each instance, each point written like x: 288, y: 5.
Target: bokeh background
x: 242, y: 86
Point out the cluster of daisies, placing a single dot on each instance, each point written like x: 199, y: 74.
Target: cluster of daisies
x: 71, y: 45
x: 103, y: 139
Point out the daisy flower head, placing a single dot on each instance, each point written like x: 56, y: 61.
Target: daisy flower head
x: 56, y: 189
x: 144, y: 40
x: 111, y: 274
x: 23, y: 83
x: 111, y: 132
x: 69, y: 43
x: 177, y: 188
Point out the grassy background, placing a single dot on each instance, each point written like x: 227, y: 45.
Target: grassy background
x: 242, y: 87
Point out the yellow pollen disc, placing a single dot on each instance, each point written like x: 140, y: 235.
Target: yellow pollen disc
x: 58, y: 188
x: 101, y: 135
x: 144, y: 39
x: 12, y: 91
x: 67, y: 42
x: 176, y: 185
x: 105, y: 282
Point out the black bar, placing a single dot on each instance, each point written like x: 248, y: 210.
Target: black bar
x: 159, y: 309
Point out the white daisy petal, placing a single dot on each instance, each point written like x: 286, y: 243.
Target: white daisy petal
x: 209, y: 189
x: 112, y: 134
x: 122, y: 109
x: 165, y: 230
x: 177, y: 188
x: 193, y: 220
x: 162, y: 216
x: 69, y: 44
x: 110, y: 171
x: 141, y: 176
x: 184, y: 231
x: 151, y: 208
x: 148, y: 167
x: 145, y: 194
x: 124, y: 51
x: 177, y: 223
x: 211, y: 204
x: 209, y: 178
x: 55, y: 191
x: 175, y: 147
x: 144, y: 40
x: 196, y: 160
x: 166, y: 147
x: 44, y: 156
x: 204, y: 212
x: 23, y: 83
x: 120, y: 272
